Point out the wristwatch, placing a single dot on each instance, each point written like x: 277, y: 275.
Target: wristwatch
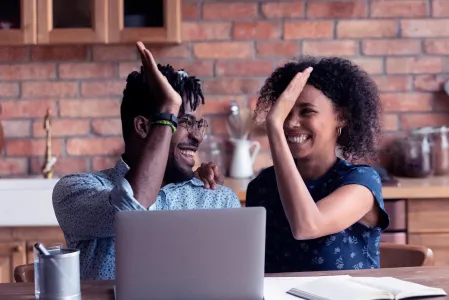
x: 165, y: 117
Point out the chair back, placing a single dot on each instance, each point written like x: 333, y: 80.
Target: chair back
x: 404, y: 255
x: 24, y: 273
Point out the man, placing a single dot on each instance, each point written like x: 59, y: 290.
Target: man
x: 162, y: 129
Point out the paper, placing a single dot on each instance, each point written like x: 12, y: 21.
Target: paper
x: 275, y: 288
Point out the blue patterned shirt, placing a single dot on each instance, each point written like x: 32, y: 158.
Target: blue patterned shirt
x: 356, y: 247
x: 85, y: 206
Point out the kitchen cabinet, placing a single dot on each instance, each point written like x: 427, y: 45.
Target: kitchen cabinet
x: 18, y: 22
x: 56, y: 22
x: 16, y: 246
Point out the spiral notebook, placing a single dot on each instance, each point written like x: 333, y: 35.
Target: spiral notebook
x: 361, y: 288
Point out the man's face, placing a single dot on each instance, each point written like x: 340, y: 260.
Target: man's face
x: 184, y: 144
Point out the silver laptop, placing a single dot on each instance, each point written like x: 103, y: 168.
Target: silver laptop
x: 190, y: 254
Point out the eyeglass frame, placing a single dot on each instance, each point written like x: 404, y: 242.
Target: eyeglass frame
x: 189, y: 129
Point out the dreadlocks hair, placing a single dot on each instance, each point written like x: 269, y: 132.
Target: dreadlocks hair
x: 137, y: 96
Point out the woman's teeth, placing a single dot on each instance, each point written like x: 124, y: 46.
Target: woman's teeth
x: 298, y: 139
x: 188, y: 153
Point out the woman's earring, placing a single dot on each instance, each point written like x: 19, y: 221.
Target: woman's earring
x: 339, y: 131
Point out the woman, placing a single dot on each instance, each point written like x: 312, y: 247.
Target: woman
x: 323, y: 213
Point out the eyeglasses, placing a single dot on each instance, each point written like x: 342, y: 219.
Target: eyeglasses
x: 189, y: 122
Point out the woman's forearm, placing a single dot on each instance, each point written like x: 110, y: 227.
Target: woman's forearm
x: 302, y: 213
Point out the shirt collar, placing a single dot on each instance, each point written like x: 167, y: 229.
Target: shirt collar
x: 123, y: 168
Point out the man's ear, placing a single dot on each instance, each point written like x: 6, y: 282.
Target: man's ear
x: 141, y: 126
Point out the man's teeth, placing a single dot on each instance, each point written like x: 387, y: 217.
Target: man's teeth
x: 188, y: 152
x: 297, y: 139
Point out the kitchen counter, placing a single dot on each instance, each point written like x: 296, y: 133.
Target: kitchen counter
x: 407, y: 188
x: 27, y: 201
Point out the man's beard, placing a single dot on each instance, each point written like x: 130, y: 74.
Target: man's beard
x: 174, y: 173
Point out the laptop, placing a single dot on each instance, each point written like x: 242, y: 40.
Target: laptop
x: 190, y: 254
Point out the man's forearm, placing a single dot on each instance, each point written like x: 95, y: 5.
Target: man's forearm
x: 146, y: 176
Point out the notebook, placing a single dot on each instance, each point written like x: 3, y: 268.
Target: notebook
x: 361, y: 288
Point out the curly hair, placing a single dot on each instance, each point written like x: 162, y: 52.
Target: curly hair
x: 348, y: 87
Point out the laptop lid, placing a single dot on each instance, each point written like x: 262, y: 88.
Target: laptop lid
x: 190, y: 254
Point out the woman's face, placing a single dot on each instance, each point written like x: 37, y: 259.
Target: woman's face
x: 312, y: 125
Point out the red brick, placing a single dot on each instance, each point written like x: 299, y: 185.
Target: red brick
x: 440, y: 8
x: 180, y: 51
x: 437, y: 46
x: 89, y: 108
x: 9, y: 89
x: 62, y: 127
x: 58, y: 53
x: 367, y: 28
x: 223, y: 50
x: 277, y: 49
x: 197, y: 68
x: 95, y: 146
x: 407, y: 101
x: 102, y: 88
x: 250, y: 68
x: 370, y: 65
x: 49, y: 89
x: 13, y: 166
x: 391, y: 47
x: 220, y: 104
x: 232, y: 86
x: 13, y: 54
x: 308, y: 29
x: 256, y: 30
x: 425, y: 28
x: 101, y: 163
x: 336, y: 9
x: 87, y: 70
x: 63, y: 166
x: 412, y: 65
x: 27, y: 71
x: 16, y: 128
x: 399, y: 8
x: 429, y: 83
x: 230, y: 12
x: 32, y: 147
x: 329, y: 48
x: 392, y: 83
x: 26, y: 109
x: 390, y: 122
x: 190, y: 11
x: 114, y: 52
x: 202, y: 31
x: 107, y: 126
x: 412, y: 120
x: 283, y: 10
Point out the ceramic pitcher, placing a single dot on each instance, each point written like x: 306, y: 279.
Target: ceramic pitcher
x: 243, y: 160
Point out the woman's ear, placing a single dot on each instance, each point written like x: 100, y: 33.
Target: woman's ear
x: 341, y: 118
x: 141, y: 126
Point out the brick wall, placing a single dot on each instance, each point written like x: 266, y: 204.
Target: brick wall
x: 403, y: 43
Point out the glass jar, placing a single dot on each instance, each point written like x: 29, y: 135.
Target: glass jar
x: 441, y: 150
x: 211, y: 150
x: 414, y: 157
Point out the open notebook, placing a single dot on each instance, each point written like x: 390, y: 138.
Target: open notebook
x: 361, y: 288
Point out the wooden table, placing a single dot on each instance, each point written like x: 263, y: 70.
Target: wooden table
x: 103, y: 290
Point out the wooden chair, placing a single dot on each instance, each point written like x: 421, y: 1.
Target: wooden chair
x: 400, y: 255
x: 24, y: 273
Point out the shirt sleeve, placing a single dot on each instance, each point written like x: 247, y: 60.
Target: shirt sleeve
x: 85, y: 206
x: 230, y: 198
x: 369, y: 178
